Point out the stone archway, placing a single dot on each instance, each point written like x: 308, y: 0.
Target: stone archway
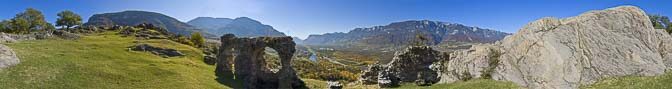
x: 247, y: 55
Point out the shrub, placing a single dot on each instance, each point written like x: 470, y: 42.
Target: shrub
x: 661, y: 22
x: 669, y: 28
x: 197, y: 39
x: 183, y: 40
x: 20, y: 25
x: 5, y: 26
x: 493, y: 62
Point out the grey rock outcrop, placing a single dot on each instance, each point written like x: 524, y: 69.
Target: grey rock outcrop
x: 370, y: 75
x: 566, y: 53
x: 164, y: 52
x: 10, y: 38
x: 66, y: 35
x: 387, y: 79
x: 334, y: 85
x: 210, y: 59
x: 7, y: 57
x: 411, y: 65
x: 250, y: 63
x: 467, y: 64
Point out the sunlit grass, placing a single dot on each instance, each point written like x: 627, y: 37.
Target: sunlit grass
x: 471, y: 84
x: 103, y: 61
x: 634, y: 82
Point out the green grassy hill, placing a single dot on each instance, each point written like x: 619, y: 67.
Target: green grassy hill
x: 471, y: 84
x: 104, y: 61
x: 634, y: 82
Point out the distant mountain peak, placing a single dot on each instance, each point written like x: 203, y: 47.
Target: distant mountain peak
x: 241, y: 26
x: 247, y: 20
x: 406, y: 32
x: 207, y: 18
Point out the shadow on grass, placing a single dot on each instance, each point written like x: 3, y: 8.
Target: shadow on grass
x: 227, y: 79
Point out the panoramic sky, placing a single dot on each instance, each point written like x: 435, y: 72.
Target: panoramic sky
x: 304, y: 17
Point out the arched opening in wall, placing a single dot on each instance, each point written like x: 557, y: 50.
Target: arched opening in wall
x: 272, y: 59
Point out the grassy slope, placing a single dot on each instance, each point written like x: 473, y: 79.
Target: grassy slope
x: 634, y: 82
x: 471, y: 84
x: 103, y: 61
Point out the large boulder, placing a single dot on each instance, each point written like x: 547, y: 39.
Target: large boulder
x: 334, y: 85
x: 468, y: 64
x: 66, y: 35
x: 163, y: 52
x: 413, y: 62
x: 210, y: 59
x: 566, y: 53
x: 370, y: 75
x: 411, y: 65
x: 7, y: 57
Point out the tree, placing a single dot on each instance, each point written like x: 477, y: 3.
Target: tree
x: 661, y: 22
x: 197, y: 39
x: 658, y: 21
x: 669, y: 28
x: 183, y: 40
x: 20, y: 25
x: 34, y: 19
x: 68, y: 19
x: 5, y: 26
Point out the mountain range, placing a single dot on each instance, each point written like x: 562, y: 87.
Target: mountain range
x: 407, y: 33
x: 397, y: 34
x: 242, y: 27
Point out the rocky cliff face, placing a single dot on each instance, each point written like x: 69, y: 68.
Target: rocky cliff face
x: 407, y: 32
x: 242, y: 26
x: 555, y: 53
x: 247, y: 55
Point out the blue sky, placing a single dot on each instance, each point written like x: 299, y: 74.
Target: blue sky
x: 304, y: 17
